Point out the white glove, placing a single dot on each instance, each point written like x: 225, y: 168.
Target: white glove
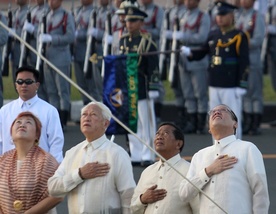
x: 11, y: 34
x: 153, y: 95
x: 76, y: 34
x: 29, y: 27
x: 271, y: 29
x: 178, y: 35
x: 108, y: 39
x: 186, y: 50
x: 45, y: 38
x: 240, y: 91
x: 93, y: 32
x: 168, y: 34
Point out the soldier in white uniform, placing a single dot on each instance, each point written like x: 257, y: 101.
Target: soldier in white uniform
x: 140, y: 42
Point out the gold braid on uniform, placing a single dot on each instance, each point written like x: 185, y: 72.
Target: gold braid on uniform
x: 144, y: 45
x: 237, y: 38
x: 248, y: 36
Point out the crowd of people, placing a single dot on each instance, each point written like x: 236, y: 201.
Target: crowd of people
x: 215, y: 66
x: 68, y: 39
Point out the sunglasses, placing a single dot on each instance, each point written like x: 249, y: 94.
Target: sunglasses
x: 27, y: 81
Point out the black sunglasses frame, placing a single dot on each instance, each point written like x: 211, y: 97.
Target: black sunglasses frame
x: 26, y: 81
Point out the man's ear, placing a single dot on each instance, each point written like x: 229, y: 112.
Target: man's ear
x: 179, y: 144
x: 235, y: 125
x: 106, y: 123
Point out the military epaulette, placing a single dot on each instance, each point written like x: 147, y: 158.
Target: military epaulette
x: 145, y: 34
x: 125, y: 35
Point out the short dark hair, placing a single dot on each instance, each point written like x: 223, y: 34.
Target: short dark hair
x: 178, y: 134
x: 28, y: 68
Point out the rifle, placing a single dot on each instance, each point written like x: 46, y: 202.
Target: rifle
x: 26, y: 37
x: 72, y: 44
x: 266, y: 42
x: 108, y: 30
x: 42, y: 46
x: 165, y: 43
x: 91, y: 46
x: 8, y: 47
x: 173, y: 72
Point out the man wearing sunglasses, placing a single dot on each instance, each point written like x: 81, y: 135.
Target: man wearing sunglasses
x: 26, y: 84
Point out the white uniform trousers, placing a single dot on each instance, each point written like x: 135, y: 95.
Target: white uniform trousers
x: 146, y: 129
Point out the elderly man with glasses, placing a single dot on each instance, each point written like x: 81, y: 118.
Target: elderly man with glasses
x: 27, y: 84
x: 231, y: 171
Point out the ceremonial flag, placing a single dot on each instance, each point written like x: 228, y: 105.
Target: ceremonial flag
x: 120, y: 91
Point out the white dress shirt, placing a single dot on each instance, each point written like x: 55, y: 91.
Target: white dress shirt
x: 51, y: 139
x: 166, y: 178
x: 241, y: 189
x: 107, y: 194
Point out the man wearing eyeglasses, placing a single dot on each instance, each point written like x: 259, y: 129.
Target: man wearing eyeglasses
x: 228, y: 53
x: 231, y: 171
x: 26, y: 84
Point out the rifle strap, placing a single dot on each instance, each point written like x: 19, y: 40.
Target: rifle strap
x: 63, y: 22
x: 152, y: 21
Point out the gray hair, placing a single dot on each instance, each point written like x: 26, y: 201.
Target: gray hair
x: 106, y: 113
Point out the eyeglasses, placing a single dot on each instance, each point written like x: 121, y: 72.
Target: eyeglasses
x: 27, y: 81
x: 221, y: 110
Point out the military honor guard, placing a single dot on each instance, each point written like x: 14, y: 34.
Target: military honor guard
x: 3, y: 41
x: 34, y: 28
x: 83, y: 19
x: 253, y: 23
x: 58, y: 37
x: 177, y: 11
x: 228, y: 52
x: 194, y: 29
x: 153, y: 25
x: 271, y: 45
x: 136, y: 41
x: 119, y: 27
x: 18, y: 19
